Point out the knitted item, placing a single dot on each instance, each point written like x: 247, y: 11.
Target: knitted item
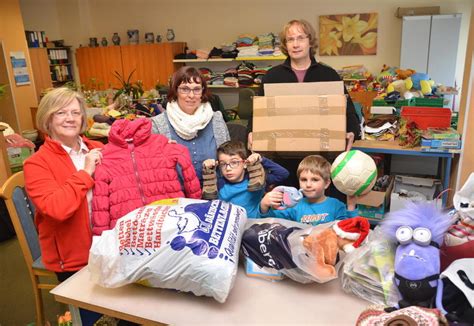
x: 188, y: 125
x: 209, y: 186
x: 256, y: 176
x: 376, y: 316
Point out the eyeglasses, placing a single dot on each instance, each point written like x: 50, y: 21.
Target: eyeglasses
x: 232, y: 164
x: 299, y: 38
x: 187, y: 90
x: 63, y: 114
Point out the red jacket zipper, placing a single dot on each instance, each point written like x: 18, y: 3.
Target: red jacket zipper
x: 131, y: 147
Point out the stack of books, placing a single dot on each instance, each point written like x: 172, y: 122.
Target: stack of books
x: 446, y: 140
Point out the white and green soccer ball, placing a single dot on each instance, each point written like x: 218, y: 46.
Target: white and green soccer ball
x: 354, y: 173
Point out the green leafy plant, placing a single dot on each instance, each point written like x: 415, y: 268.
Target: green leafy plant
x: 3, y: 90
x: 134, y: 90
x: 71, y: 85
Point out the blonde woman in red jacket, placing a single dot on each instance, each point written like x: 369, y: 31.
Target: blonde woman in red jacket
x: 58, y: 179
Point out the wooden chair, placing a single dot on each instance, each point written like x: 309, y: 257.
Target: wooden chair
x: 21, y: 212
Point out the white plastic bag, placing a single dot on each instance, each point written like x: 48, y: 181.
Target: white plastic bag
x: 189, y: 245
x: 464, y: 198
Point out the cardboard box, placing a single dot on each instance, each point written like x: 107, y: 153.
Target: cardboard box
x: 417, y: 11
x: 441, y: 143
x: 292, y: 122
x: 16, y: 155
x: 415, y: 189
x: 375, y: 204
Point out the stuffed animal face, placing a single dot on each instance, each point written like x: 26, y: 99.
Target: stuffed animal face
x: 415, y: 262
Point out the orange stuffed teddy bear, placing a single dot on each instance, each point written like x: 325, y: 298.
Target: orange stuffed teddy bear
x: 324, y: 245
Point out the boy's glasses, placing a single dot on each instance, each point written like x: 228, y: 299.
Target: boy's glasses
x: 187, y: 90
x: 232, y: 164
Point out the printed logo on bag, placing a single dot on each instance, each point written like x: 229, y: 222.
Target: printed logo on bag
x: 205, y: 228
x: 202, y: 226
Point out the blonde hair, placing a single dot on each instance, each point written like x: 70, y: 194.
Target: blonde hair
x: 315, y: 164
x: 307, y: 29
x: 54, y: 101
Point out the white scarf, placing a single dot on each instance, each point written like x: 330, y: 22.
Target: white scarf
x: 188, y: 125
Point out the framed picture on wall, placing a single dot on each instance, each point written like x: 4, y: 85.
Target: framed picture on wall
x: 20, y: 70
x: 349, y: 34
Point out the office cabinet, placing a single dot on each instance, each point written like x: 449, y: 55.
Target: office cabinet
x: 430, y: 45
x: 151, y: 63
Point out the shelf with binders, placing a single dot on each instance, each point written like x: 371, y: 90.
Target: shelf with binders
x: 60, y: 65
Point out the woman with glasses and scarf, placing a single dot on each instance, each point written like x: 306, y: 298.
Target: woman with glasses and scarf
x: 189, y: 119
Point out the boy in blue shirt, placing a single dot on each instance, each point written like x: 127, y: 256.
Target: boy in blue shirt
x: 233, y: 179
x: 315, y: 208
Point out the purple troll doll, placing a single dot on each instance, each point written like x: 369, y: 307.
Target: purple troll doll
x: 418, y: 230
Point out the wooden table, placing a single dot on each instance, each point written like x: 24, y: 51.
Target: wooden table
x: 252, y: 301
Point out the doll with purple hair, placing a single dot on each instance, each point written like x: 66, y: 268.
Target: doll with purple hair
x: 419, y: 230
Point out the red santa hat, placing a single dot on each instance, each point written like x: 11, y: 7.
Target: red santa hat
x: 356, y: 229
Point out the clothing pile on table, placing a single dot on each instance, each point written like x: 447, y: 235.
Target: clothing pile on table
x: 381, y: 127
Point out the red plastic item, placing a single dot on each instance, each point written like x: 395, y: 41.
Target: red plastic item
x: 427, y: 117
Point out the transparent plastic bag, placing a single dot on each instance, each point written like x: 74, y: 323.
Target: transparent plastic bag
x: 279, y: 244
x: 368, y: 272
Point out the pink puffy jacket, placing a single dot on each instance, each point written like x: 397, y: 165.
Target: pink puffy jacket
x: 138, y: 168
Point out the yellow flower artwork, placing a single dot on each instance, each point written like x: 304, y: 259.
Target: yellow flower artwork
x: 351, y: 34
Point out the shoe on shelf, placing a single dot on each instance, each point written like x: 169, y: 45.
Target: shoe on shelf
x: 209, y: 186
x: 256, y: 177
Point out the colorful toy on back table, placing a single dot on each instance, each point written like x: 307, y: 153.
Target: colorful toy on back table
x: 314, y: 173
x: 419, y: 230
x: 387, y: 75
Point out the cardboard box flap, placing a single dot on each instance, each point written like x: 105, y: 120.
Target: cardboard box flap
x: 376, y: 198
x: 373, y: 198
x: 315, y: 88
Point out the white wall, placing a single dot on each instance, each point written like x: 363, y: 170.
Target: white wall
x: 208, y: 23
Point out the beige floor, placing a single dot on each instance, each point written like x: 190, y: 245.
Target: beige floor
x: 16, y: 294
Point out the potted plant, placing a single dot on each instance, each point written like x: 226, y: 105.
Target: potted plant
x: 133, y: 90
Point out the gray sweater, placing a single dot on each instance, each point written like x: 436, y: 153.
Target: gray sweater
x: 160, y: 125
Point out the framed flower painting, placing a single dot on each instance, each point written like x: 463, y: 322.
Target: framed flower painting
x: 350, y: 34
